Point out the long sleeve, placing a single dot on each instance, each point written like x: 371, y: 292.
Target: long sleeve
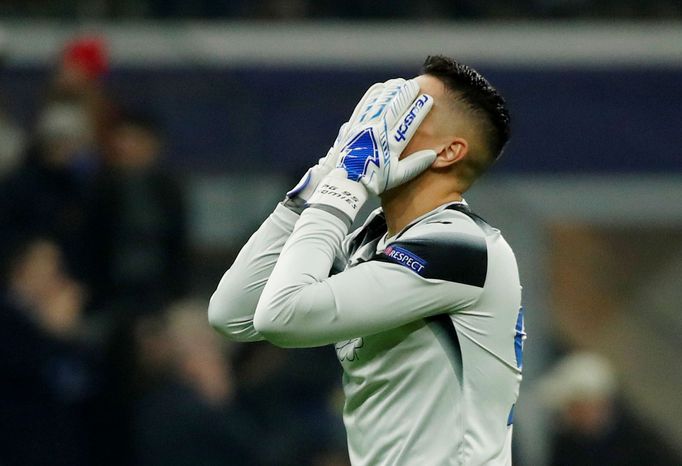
x: 302, y: 306
x: 233, y: 303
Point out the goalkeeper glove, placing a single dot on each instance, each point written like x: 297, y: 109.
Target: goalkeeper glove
x: 300, y: 194
x: 369, y: 158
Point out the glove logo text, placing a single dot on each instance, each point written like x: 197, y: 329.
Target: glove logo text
x: 409, y: 118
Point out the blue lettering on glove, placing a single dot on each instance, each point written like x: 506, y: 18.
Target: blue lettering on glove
x: 409, y: 118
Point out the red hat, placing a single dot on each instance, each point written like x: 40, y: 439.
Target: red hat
x: 87, y: 53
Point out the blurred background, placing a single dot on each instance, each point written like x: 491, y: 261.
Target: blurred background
x: 141, y: 142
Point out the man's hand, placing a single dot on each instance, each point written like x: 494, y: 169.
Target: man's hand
x: 307, y: 185
x: 371, y: 152
x: 370, y: 148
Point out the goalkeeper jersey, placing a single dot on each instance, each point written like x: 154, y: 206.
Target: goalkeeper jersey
x: 427, y: 325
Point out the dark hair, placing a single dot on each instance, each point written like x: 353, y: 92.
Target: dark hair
x: 477, y: 94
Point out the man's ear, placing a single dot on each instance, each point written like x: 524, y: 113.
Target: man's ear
x: 453, y: 152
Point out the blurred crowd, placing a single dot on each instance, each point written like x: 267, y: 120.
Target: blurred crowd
x: 591, y: 424
x: 107, y: 359
x: 349, y: 9
x: 104, y: 358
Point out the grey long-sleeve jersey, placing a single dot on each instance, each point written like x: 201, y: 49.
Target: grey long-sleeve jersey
x: 427, y: 326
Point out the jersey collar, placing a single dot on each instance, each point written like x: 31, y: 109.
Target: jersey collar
x: 440, y: 208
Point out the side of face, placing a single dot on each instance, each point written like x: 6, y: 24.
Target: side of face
x: 444, y: 129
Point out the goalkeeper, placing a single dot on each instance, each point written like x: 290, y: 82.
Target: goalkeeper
x: 423, y: 302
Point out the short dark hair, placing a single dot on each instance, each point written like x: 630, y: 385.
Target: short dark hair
x: 478, y: 95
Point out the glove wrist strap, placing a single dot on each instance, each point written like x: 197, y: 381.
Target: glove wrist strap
x: 342, y: 194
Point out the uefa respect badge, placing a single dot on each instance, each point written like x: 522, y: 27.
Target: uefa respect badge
x: 405, y: 258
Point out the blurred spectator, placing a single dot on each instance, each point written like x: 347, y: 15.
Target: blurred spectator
x: 46, y: 367
x: 186, y: 414
x: 193, y: 409
x: 136, y: 223
x: 593, y: 427
x: 84, y: 61
x: 79, y: 76
x: 277, y: 386
x: 46, y: 195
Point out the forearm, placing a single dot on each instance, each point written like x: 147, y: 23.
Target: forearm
x: 296, y: 303
x: 233, y: 303
x: 301, y: 306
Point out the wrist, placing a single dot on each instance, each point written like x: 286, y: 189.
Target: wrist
x: 307, y: 185
x: 295, y: 204
x: 336, y: 193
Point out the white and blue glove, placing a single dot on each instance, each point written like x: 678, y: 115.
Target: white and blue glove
x: 307, y: 185
x: 370, y: 147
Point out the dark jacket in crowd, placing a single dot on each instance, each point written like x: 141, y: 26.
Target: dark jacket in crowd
x: 625, y: 443
x: 40, y: 199
x: 46, y: 385
x: 137, y: 239
x: 175, y: 427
